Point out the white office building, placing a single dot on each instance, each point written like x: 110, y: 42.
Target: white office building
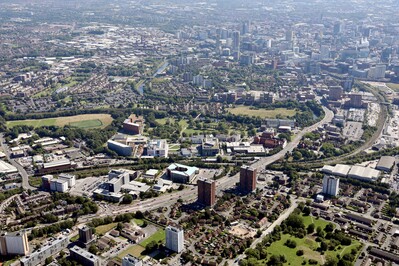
x: 59, y: 185
x: 158, y: 148
x: 174, y: 239
x: 330, y: 185
x: 130, y: 260
x: 71, y: 179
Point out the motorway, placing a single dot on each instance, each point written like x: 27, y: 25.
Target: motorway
x: 21, y: 170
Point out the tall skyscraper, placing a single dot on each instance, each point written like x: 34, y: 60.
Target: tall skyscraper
x: 15, y: 243
x: 236, y: 41
x: 337, y: 28
x: 247, y: 178
x: 330, y: 185
x: 85, y: 235
x: 206, y: 192
x: 355, y: 100
x: 335, y: 93
x: 245, y: 27
x: 174, y: 238
x: 289, y: 36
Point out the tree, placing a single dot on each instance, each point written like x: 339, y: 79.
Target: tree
x: 331, y: 261
x: 329, y: 227
x: 306, y: 211
x: 49, y: 260
x: 310, y: 228
x: 127, y: 199
x: 295, y: 221
x: 297, y: 155
x: 93, y: 249
x: 299, y: 252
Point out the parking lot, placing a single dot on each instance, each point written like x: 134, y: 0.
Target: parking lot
x: 353, y: 130
x: 86, y: 186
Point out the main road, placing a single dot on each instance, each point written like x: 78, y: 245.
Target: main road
x: 222, y: 184
x: 21, y: 170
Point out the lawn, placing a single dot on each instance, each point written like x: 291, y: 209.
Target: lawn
x: 174, y: 147
x: 87, y: 123
x: 102, y: 229
x: 317, y: 222
x: 75, y: 238
x: 157, y: 236
x: 135, y: 250
x: 262, y: 113
x: 345, y: 249
x: 307, y: 244
x: 139, y: 222
x: 82, y: 121
x: 34, y: 123
x: 35, y: 181
x: 162, y: 121
x: 393, y: 86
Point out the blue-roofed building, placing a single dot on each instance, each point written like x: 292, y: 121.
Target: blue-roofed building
x: 180, y: 173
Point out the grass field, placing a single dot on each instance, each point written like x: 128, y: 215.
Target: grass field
x: 317, y: 222
x: 139, y: 222
x: 307, y: 244
x: 35, y: 181
x: 87, y: 123
x: 75, y: 238
x: 262, y: 113
x: 102, y: 229
x: 82, y: 121
x: 158, y: 236
x: 393, y: 86
x: 135, y: 250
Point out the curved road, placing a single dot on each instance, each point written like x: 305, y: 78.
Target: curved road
x: 21, y: 170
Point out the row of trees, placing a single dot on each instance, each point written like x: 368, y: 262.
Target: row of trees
x: 51, y: 229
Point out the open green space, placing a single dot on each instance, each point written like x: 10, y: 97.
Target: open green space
x: 102, y: 229
x: 308, y: 219
x: 135, y: 250
x: 174, y: 147
x: 75, y: 238
x: 82, y: 121
x: 139, y: 222
x: 262, y: 113
x: 87, y: 123
x: 157, y: 236
x: 393, y: 86
x: 35, y: 181
x: 307, y: 244
x: 34, y: 123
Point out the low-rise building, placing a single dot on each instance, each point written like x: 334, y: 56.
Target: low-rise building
x: 59, y: 165
x: 386, y: 163
x: 158, y: 148
x: 120, y: 148
x: 210, y: 147
x: 130, y: 260
x: 180, y: 173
